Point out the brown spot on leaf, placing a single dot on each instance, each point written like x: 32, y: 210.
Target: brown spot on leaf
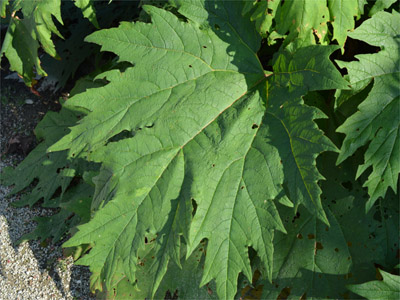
x: 311, y: 236
x: 284, y: 294
x: 318, y: 246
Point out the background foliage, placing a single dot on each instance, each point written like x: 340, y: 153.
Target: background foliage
x: 213, y: 146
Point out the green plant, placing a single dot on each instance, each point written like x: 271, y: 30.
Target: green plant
x: 205, y: 159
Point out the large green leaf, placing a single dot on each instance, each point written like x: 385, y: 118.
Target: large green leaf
x: 378, y: 118
x: 204, y: 117
x: 387, y: 288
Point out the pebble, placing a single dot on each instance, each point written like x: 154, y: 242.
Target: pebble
x: 29, y: 101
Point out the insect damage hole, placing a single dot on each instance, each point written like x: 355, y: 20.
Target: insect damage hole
x: 254, y: 126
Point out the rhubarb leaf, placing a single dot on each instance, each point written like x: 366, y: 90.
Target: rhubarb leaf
x: 199, y: 126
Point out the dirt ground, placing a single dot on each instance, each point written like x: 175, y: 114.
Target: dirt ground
x: 20, y: 111
x: 31, y: 270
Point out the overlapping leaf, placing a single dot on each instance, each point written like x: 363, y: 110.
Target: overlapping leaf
x: 23, y: 36
x: 34, y: 29
x: 306, y: 20
x: 318, y: 261
x: 378, y: 118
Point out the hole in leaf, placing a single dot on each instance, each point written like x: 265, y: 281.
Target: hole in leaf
x: 242, y: 187
x: 299, y: 236
x: 254, y: 126
x: 217, y: 27
x: 204, y: 47
x: 194, y: 205
x: 120, y: 136
x: 347, y: 185
x: 190, y: 66
x: 336, y: 249
x: 296, y: 217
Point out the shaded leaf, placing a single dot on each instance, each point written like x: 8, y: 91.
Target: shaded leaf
x: 388, y: 288
x: 318, y: 261
x: 378, y: 118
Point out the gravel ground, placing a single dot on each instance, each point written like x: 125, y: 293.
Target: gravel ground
x: 30, y: 270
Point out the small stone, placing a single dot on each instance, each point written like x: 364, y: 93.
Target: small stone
x: 29, y: 101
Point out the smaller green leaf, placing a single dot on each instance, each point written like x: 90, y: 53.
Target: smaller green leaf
x: 387, y: 288
x: 52, y: 170
x: 75, y: 209
x: 88, y: 10
x: 303, y: 19
x: 342, y: 17
x: 42, y: 13
x: 20, y: 47
x: 3, y: 5
x: 380, y: 5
